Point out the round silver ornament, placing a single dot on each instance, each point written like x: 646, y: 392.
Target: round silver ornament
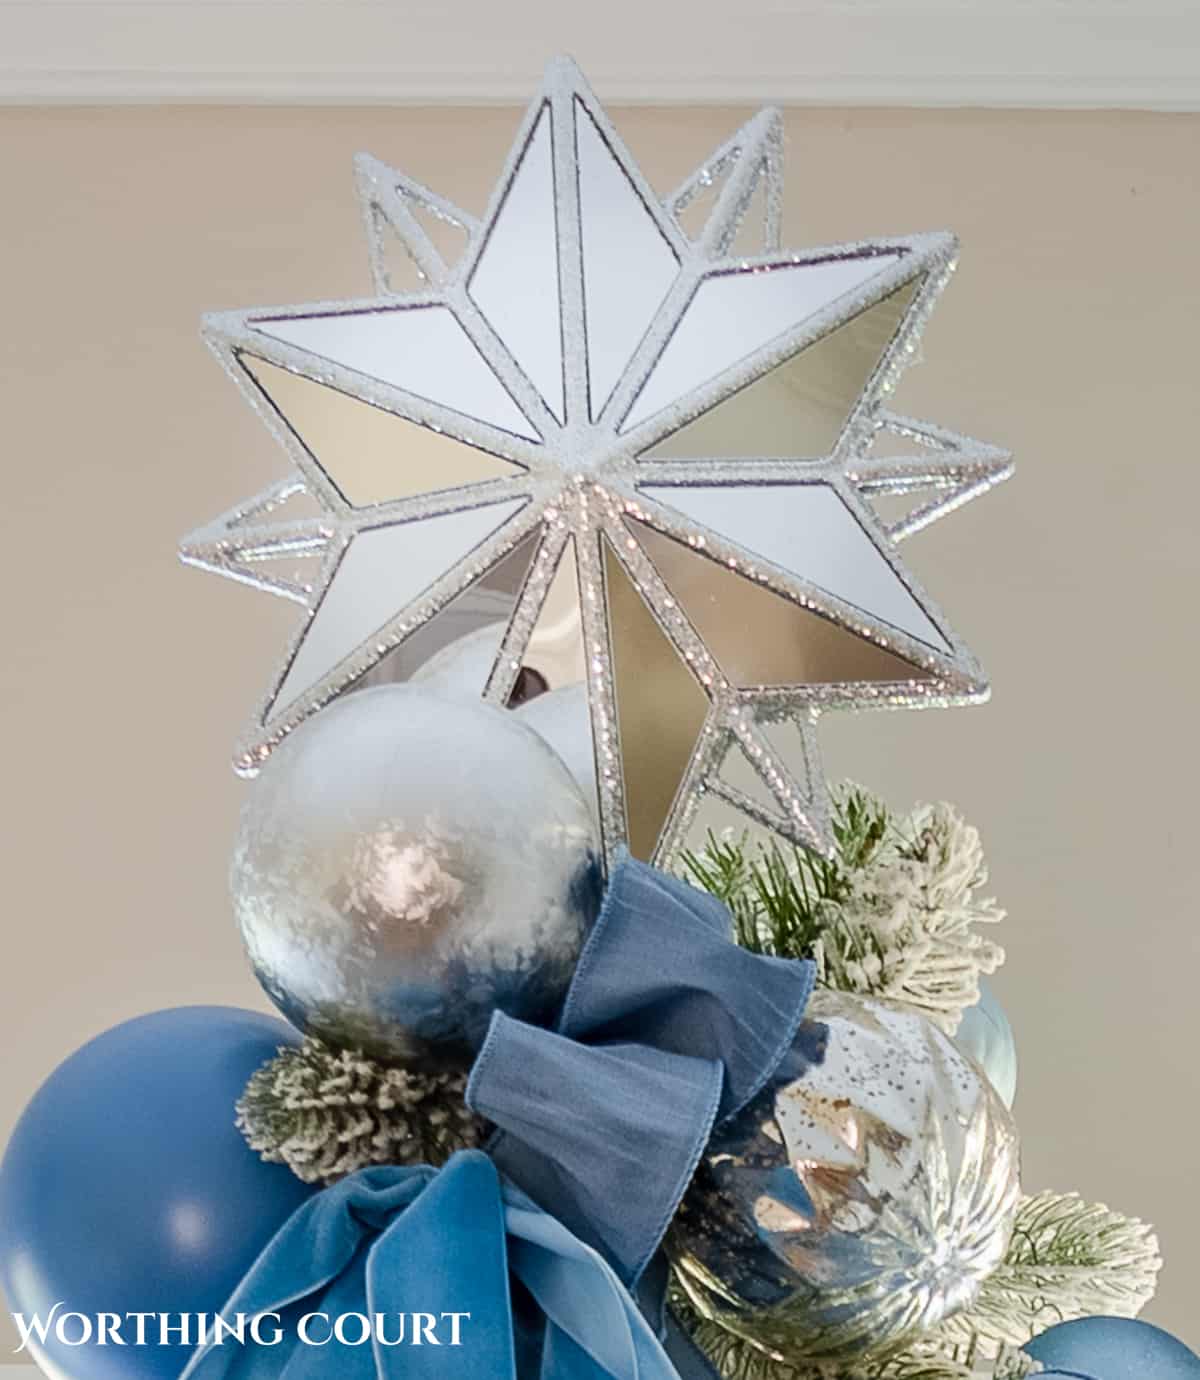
x: 857, y: 1200
x: 408, y: 864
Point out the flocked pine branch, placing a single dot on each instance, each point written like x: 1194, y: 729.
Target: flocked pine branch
x: 326, y: 1112
x: 895, y: 913
x: 929, y: 1359
x: 1067, y: 1259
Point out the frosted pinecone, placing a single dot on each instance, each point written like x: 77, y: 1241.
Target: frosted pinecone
x: 327, y: 1112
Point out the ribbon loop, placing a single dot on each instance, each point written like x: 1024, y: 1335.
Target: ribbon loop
x: 662, y: 968
x: 575, y: 1120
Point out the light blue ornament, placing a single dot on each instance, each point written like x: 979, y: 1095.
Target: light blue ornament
x: 560, y: 719
x: 1113, y: 1349
x: 986, y: 1036
x: 461, y: 668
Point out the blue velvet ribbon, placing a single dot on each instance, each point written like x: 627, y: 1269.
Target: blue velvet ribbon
x: 550, y: 1240
x: 390, y: 1241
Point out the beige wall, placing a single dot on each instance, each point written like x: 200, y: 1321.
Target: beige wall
x: 1068, y: 334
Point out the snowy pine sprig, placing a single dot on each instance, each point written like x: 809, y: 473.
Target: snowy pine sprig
x: 326, y: 1112
x: 895, y: 913
x: 932, y: 1359
x: 1067, y: 1259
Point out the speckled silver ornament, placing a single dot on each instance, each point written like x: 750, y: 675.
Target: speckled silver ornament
x: 852, y: 1206
x: 691, y: 421
x: 406, y: 865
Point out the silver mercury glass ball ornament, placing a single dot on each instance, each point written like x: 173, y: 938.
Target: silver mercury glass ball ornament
x: 857, y: 1200
x: 408, y: 864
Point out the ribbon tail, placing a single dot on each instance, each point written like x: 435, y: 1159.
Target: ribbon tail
x: 593, y: 1325
x: 446, y: 1255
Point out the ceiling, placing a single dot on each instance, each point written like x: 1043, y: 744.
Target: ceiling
x: 1034, y: 53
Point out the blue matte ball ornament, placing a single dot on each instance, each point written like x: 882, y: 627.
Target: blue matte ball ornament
x: 127, y: 1187
x: 986, y: 1036
x: 1113, y: 1349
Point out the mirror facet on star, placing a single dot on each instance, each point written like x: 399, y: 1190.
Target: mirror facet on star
x: 659, y: 428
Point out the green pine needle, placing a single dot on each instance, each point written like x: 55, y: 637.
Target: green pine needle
x: 776, y: 894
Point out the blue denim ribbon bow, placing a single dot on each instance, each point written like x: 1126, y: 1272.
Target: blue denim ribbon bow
x: 668, y: 1028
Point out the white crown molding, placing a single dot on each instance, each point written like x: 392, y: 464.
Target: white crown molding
x: 1066, y: 54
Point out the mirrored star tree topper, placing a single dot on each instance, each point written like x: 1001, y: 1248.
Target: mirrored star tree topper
x: 625, y: 438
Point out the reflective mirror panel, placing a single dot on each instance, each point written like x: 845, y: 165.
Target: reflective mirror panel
x: 799, y: 409
x: 734, y: 313
x: 627, y: 264
x: 648, y: 674
x: 422, y: 350
x: 380, y: 573
x: 453, y: 653
x: 807, y: 530
x: 515, y: 282
x: 757, y: 636
x: 555, y: 648
x: 371, y: 456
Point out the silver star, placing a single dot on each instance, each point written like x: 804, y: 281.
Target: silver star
x: 590, y: 398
